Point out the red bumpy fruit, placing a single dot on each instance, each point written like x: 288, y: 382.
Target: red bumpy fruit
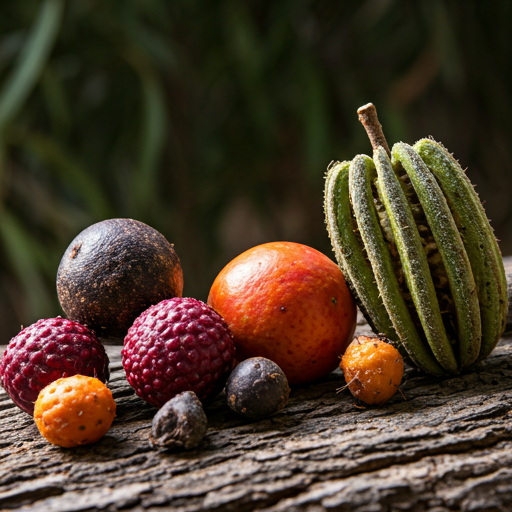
x: 177, y: 345
x: 48, y: 350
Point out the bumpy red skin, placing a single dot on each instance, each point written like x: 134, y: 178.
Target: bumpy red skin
x: 48, y: 350
x: 289, y: 303
x: 177, y: 345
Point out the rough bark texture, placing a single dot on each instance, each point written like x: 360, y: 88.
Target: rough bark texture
x: 445, y: 445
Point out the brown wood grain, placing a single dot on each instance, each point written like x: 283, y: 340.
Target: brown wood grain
x: 507, y: 261
x: 445, y: 445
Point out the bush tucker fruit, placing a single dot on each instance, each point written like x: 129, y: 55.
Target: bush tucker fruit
x: 74, y: 411
x: 289, y: 303
x: 180, y: 423
x: 410, y: 221
x: 46, y: 351
x: 373, y: 369
x: 113, y: 271
x: 257, y: 388
x: 180, y: 344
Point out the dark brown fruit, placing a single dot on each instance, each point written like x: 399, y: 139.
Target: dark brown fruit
x: 113, y: 271
x: 257, y: 388
x: 180, y: 424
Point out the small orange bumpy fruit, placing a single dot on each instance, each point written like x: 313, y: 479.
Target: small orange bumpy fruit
x: 74, y: 411
x: 373, y: 369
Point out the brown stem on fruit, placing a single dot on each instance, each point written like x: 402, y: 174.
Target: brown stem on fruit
x: 370, y: 121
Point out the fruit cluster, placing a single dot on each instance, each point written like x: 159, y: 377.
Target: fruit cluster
x: 411, y: 224
x: 48, y: 350
x: 121, y: 279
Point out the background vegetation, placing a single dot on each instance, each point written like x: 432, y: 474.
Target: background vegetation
x: 214, y: 120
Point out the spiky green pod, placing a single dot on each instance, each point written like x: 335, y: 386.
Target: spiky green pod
x: 349, y: 249
x: 478, y: 238
x: 417, y: 249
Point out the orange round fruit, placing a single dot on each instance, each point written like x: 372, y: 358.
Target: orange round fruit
x: 373, y: 369
x: 74, y: 411
x: 289, y: 303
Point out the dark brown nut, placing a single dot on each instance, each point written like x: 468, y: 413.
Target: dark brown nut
x: 180, y: 424
x: 257, y: 388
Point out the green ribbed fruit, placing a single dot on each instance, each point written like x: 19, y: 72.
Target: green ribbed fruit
x: 417, y: 250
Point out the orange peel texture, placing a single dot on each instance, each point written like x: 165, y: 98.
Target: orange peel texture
x: 373, y: 369
x: 74, y: 411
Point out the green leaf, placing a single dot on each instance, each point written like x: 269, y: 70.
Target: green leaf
x: 153, y: 137
x: 31, y: 62
x: 24, y: 256
x: 71, y: 172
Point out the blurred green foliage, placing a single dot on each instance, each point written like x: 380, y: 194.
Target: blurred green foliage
x: 214, y: 121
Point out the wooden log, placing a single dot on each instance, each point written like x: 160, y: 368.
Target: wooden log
x: 507, y: 261
x: 446, y: 444
x: 442, y: 444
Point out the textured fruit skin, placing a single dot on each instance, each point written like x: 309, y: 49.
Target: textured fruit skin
x: 289, y: 303
x: 74, y: 411
x: 257, y: 388
x: 180, y: 344
x: 46, y: 351
x: 180, y: 424
x: 349, y: 252
x: 479, y: 240
x: 373, y: 369
x: 113, y: 271
x: 413, y: 226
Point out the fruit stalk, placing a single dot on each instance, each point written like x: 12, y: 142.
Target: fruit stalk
x: 368, y: 118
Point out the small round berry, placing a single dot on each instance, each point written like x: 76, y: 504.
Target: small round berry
x: 179, y: 344
x: 180, y: 423
x: 257, y: 388
x: 46, y: 351
x: 373, y: 369
x: 74, y: 411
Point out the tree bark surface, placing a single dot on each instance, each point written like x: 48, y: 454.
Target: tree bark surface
x: 439, y: 445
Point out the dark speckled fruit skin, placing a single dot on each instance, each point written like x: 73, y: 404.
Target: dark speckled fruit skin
x: 257, y: 388
x: 180, y: 344
x: 180, y: 424
x: 114, y: 270
x: 46, y: 351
